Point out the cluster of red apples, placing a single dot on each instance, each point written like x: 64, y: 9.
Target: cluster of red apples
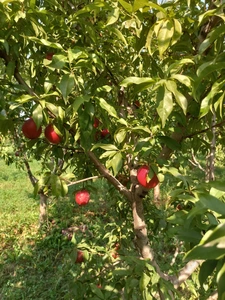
x: 31, y: 131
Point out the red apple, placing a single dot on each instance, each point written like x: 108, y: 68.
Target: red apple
x: 115, y: 255
x: 117, y: 246
x: 96, y: 122
x: 30, y: 129
x: 51, y: 135
x: 104, y: 132
x: 82, y: 197
x: 142, y: 174
x: 49, y: 55
x: 80, y: 257
x: 17, y: 153
x: 137, y: 103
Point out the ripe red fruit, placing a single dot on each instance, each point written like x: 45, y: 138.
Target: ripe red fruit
x: 30, y: 129
x: 142, y: 174
x: 80, y: 257
x: 17, y: 153
x: 104, y: 132
x: 115, y: 255
x: 117, y: 246
x: 96, y: 123
x: 49, y: 55
x: 137, y: 103
x: 82, y: 197
x: 51, y: 135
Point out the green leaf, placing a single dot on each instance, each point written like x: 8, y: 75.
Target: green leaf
x: 165, y: 106
x: 164, y: 36
x: 220, y: 283
x: 52, y: 108
x: 149, y: 40
x: 212, y: 245
x: 218, y: 105
x: 78, y: 101
x: 182, y: 79
x: 140, y: 4
x: 127, y: 6
x: 143, y: 3
x: 206, y: 270
x: 217, y: 88
x: 214, y: 34
x: 97, y: 291
x: 212, y: 203
x: 116, y: 163
x: 113, y: 16
x: 10, y: 69
x: 119, y: 35
x: 66, y: 85
x: 122, y: 121
x: 207, y: 68
x: 76, y: 53
x: 144, y: 281
x: 38, y: 115
x: 108, y: 108
x: 177, y: 31
x: 55, y: 185
x: 218, y: 185
x: 105, y: 147
x: 58, y: 61
x: 175, y: 67
x: 208, y: 13
x: 6, y: 45
x: 181, y: 100
x: 108, y: 154
x: 120, y: 135
x: 88, y: 8
x: 136, y: 80
x: 171, y: 143
x: 24, y: 98
x: 45, y: 42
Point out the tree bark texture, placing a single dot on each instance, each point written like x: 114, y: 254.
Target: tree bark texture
x: 43, y: 208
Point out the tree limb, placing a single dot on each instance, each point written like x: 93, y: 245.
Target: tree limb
x: 102, y: 169
x: 186, y: 272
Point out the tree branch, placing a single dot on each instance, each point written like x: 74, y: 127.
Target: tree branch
x: 214, y: 296
x: 204, y: 130
x: 186, y: 272
x: 102, y: 169
x: 32, y: 178
x: 83, y: 180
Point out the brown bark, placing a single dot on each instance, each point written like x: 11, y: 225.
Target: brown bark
x: 156, y: 192
x: 43, y: 208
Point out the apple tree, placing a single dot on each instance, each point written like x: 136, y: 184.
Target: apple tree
x: 130, y: 90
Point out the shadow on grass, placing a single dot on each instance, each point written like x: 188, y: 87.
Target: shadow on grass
x: 42, y: 264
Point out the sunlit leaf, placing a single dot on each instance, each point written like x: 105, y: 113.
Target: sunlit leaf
x: 108, y: 108
x: 165, y: 106
x: 136, y: 80
x: 66, y: 85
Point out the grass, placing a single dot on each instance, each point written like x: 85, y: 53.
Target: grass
x: 38, y: 264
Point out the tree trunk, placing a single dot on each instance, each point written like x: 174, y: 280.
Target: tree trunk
x: 43, y: 209
x: 140, y: 228
x: 157, y: 194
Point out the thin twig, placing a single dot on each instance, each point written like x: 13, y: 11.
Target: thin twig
x: 84, y: 179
